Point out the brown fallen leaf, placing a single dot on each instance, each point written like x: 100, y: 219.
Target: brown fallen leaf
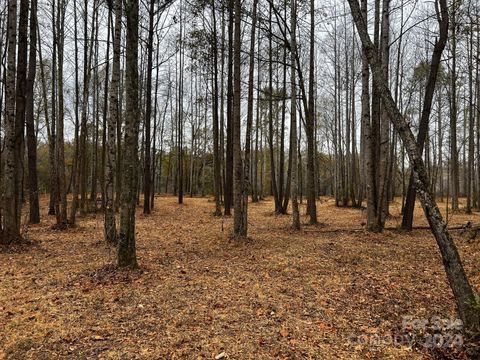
x: 284, y: 332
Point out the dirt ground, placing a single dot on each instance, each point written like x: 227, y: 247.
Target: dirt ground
x: 331, y: 291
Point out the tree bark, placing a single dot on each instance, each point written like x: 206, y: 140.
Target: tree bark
x: 126, y: 243
x: 240, y: 207
x: 110, y: 230
x: 148, y: 113
x: 32, y: 180
x: 293, y: 120
x: 310, y: 124
x: 11, y: 221
x: 216, y: 153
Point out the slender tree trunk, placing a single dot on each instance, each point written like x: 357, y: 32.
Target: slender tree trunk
x: 216, y: 156
x: 50, y: 131
x: 60, y: 146
x: 453, y: 113
x: 240, y: 207
x: 110, y: 227
x: 310, y: 124
x: 148, y: 113
x: 293, y: 120
x: 229, y: 151
x: 471, y: 125
x: 32, y: 179
x: 273, y: 179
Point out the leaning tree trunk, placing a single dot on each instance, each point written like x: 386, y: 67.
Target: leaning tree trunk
x: 407, y: 220
x: 465, y: 297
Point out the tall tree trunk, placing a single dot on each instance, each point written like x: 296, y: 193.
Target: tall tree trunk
x: 383, y: 142
x: 126, y: 243
x: 293, y: 120
x: 148, y: 113
x: 454, y: 113
x: 50, y: 131
x: 471, y: 125
x: 20, y: 103
x: 273, y: 179
x: 11, y: 221
x: 32, y: 179
x: 60, y: 146
x: 216, y: 156
x: 110, y: 230
x: 310, y: 124
x: 368, y: 140
x: 228, y: 192
x: 180, y: 112
x: 240, y: 207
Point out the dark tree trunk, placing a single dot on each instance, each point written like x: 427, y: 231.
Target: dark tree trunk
x: 229, y: 151
x: 148, y: 113
x: 216, y: 156
x: 32, y: 179
x: 240, y: 207
x: 126, y: 243
x: 310, y: 124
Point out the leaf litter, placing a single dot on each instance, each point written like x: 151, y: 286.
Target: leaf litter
x: 199, y: 294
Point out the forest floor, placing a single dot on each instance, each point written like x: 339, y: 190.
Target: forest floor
x: 330, y: 291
